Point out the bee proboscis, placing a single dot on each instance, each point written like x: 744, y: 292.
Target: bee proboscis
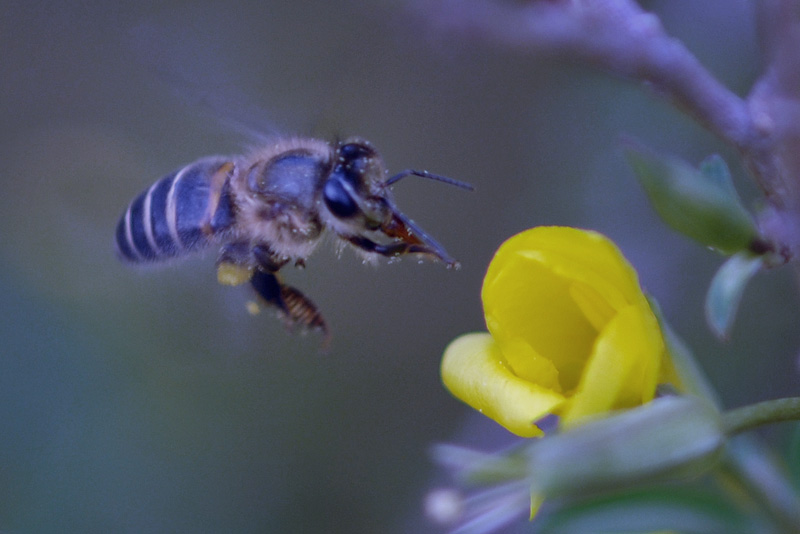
x: 271, y: 208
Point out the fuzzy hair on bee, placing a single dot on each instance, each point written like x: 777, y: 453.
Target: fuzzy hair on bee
x: 272, y: 207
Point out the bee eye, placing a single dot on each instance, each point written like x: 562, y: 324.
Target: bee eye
x: 339, y: 200
x: 351, y: 151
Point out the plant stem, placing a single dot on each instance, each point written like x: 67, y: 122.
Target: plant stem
x: 771, y: 411
x: 621, y: 37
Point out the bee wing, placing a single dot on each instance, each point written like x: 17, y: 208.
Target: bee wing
x: 188, y: 53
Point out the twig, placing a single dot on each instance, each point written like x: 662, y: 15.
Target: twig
x: 765, y: 412
x: 775, y: 105
x: 617, y: 35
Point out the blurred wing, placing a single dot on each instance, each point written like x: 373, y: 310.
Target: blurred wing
x: 189, y: 52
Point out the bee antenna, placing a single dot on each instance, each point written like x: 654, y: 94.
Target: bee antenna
x: 425, y: 174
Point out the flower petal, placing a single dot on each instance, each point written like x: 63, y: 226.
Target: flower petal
x: 575, y: 254
x: 622, y: 370
x: 474, y: 370
x: 554, y: 289
x: 537, y: 499
x: 535, y: 321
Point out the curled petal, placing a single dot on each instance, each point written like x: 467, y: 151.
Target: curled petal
x: 623, y: 368
x: 474, y: 370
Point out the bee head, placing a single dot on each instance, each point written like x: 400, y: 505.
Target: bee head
x: 353, y: 191
x: 357, y: 195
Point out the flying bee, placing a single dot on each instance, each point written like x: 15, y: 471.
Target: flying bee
x: 271, y: 208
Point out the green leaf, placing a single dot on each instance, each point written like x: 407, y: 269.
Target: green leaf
x: 673, y: 509
x: 764, y: 477
x: 716, y: 171
x: 794, y: 455
x: 701, y: 204
x: 693, y: 379
x: 725, y: 292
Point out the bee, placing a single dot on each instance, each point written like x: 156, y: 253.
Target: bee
x: 271, y: 208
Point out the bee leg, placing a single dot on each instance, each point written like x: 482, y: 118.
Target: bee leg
x: 296, y: 310
x: 267, y: 286
x: 234, y: 266
x: 268, y: 260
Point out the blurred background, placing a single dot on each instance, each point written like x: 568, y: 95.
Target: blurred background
x: 151, y: 401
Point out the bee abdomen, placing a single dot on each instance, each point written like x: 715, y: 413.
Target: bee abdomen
x: 179, y: 213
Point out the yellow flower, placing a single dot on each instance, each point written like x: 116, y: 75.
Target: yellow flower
x: 571, y: 334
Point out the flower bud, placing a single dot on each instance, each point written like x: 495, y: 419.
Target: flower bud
x: 570, y: 333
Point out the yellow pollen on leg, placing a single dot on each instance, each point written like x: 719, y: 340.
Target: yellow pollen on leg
x: 230, y: 274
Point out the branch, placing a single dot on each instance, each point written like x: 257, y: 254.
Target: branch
x: 775, y: 106
x: 620, y: 37
x: 616, y: 35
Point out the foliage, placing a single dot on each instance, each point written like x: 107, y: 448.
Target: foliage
x: 572, y: 335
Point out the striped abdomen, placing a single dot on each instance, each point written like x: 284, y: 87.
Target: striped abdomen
x: 179, y: 213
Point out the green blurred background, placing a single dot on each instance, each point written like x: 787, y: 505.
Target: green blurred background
x: 150, y: 401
